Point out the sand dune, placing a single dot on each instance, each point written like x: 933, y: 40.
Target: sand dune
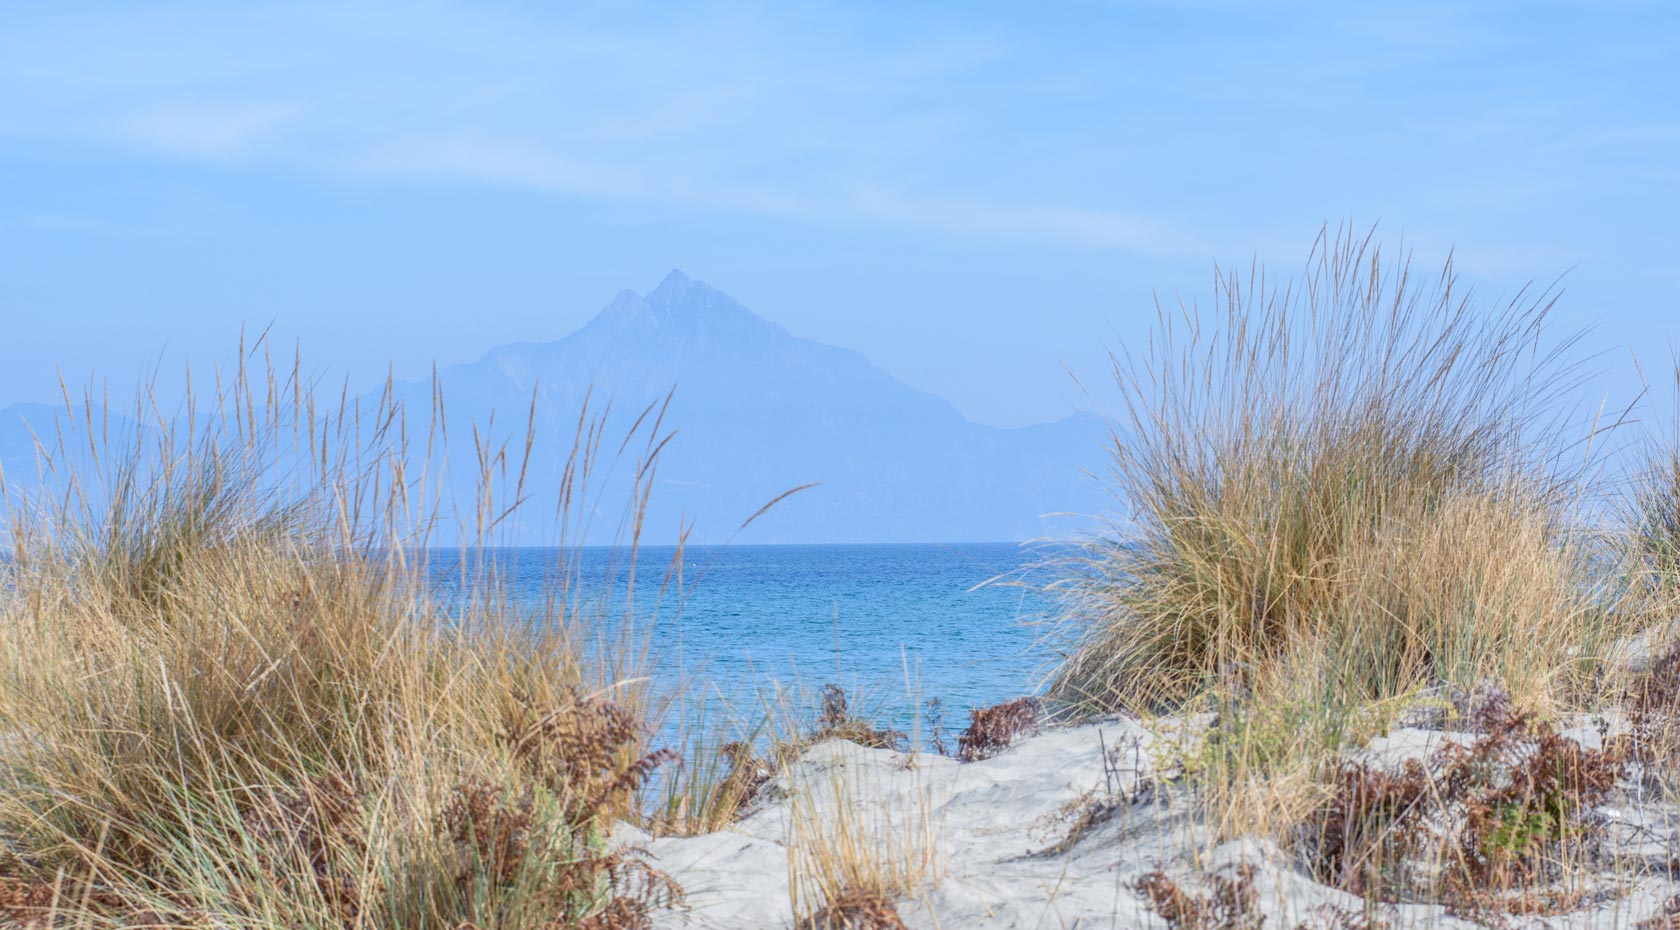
x: 1011, y: 856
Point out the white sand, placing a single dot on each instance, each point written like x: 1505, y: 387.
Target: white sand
x: 995, y: 823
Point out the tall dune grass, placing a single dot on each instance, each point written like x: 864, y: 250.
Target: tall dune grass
x: 1360, y: 483
x: 1653, y: 512
x: 228, y: 698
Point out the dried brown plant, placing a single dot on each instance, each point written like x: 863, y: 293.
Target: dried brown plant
x: 1668, y: 918
x: 855, y: 909
x: 320, y: 828
x: 1232, y: 903
x: 1072, y: 821
x: 993, y: 729
x: 1502, y: 815
x: 837, y: 721
x: 587, y: 749
x: 746, y: 777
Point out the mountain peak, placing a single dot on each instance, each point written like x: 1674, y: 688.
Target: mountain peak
x: 678, y: 289
x: 686, y: 310
x: 675, y: 281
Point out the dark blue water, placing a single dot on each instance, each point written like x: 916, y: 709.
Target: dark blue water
x: 896, y: 625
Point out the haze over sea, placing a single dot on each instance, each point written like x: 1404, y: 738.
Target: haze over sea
x: 892, y: 623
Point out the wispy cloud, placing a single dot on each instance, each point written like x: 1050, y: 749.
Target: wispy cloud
x: 496, y: 163
x: 531, y: 168
x: 1010, y: 126
x: 1108, y: 229
x: 207, y: 130
x: 787, y: 117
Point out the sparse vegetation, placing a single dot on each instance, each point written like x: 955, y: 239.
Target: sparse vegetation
x: 1654, y: 512
x: 857, y: 840
x: 719, y: 770
x: 1493, y: 826
x: 747, y: 775
x: 228, y: 698
x: 1124, y: 783
x: 1090, y: 810
x: 1668, y: 919
x: 838, y: 722
x: 935, y: 714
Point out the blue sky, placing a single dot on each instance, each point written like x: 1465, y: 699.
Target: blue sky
x: 975, y: 196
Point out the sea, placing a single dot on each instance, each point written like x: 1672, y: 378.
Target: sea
x: 739, y: 630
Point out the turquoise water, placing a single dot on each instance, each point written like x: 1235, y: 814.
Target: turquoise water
x: 896, y: 625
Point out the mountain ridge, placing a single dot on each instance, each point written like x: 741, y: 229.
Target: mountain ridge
x: 756, y: 411
x: 759, y: 410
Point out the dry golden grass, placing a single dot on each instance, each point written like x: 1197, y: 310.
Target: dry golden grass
x: 1359, y: 476
x: 1650, y: 510
x: 228, y: 698
x: 719, y: 775
x: 858, y: 840
x: 1339, y: 495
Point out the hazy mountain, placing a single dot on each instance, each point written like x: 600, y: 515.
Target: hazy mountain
x: 756, y: 412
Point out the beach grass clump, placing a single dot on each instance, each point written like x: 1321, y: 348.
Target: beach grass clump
x: 228, y: 697
x: 1650, y: 569
x: 1360, y: 483
x: 1658, y: 534
x: 863, y: 831
x: 713, y: 785
x: 858, y: 839
x: 1653, y: 509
